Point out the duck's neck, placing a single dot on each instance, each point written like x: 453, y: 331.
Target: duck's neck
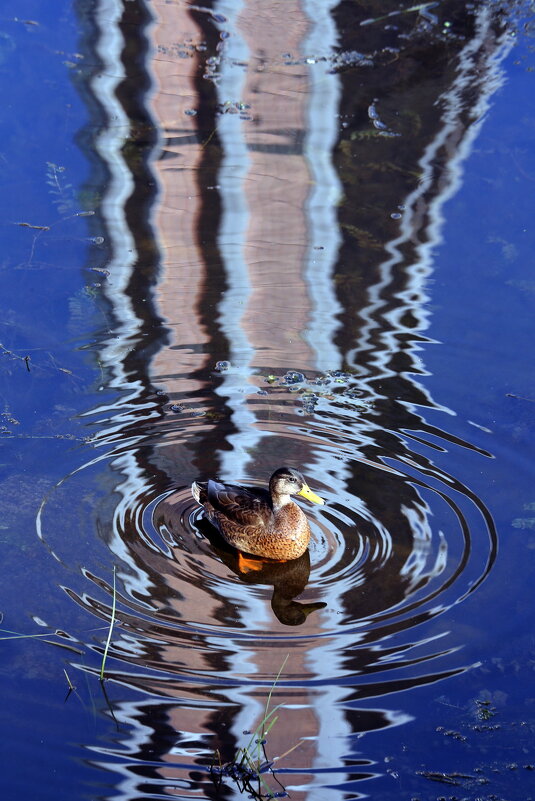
x: 279, y: 501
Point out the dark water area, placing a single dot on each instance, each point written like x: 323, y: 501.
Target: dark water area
x: 239, y: 236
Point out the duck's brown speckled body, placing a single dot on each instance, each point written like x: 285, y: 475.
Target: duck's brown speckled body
x: 258, y: 521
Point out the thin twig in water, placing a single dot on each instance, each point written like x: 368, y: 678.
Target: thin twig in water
x: 519, y: 397
x: 42, y: 229
x: 421, y: 9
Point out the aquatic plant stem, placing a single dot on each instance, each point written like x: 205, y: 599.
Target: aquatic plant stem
x: 15, y: 636
x: 261, y: 782
x: 69, y: 682
x: 268, y: 700
x: 112, y: 621
x: 261, y: 731
x: 250, y: 762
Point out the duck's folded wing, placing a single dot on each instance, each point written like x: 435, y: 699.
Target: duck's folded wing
x: 238, y: 504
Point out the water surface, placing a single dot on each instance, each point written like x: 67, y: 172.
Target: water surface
x: 239, y: 236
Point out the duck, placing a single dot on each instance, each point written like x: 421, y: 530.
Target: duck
x: 263, y: 522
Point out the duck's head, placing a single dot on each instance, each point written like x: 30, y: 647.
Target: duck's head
x: 287, y: 481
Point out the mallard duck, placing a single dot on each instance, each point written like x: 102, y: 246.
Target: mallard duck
x: 257, y: 521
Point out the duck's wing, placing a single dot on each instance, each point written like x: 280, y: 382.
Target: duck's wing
x: 240, y: 505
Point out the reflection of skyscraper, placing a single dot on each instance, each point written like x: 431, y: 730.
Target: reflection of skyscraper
x: 275, y: 179
x: 416, y: 127
x: 272, y: 309
x: 263, y: 184
x: 178, y: 42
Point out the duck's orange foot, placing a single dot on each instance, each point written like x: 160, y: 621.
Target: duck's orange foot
x: 249, y: 564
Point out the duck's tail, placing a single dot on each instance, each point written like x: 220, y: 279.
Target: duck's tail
x: 198, y: 491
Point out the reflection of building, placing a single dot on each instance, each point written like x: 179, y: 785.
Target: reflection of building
x: 246, y: 263
x: 268, y: 153
x: 177, y: 44
x: 434, y: 112
x: 263, y: 244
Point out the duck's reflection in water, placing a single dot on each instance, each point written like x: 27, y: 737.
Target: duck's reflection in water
x: 363, y: 567
x: 288, y: 579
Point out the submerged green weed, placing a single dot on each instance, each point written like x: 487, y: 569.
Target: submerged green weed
x: 250, y: 765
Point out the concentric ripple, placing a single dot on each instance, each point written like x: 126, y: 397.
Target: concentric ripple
x: 201, y: 639
x: 380, y: 564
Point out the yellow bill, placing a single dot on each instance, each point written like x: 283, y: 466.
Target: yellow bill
x: 307, y: 493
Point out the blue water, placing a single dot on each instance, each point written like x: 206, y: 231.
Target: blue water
x: 415, y: 677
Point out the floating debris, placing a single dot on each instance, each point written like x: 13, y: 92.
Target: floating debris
x: 378, y: 124
x: 222, y: 367
x: 233, y: 107
x: 35, y: 227
x: 336, y: 386
x: 485, y: 709
x: 445, y: 778
x: 309, y: 402
x: 524, y: 522
x: 293, y: 377
x: 216, y: 16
